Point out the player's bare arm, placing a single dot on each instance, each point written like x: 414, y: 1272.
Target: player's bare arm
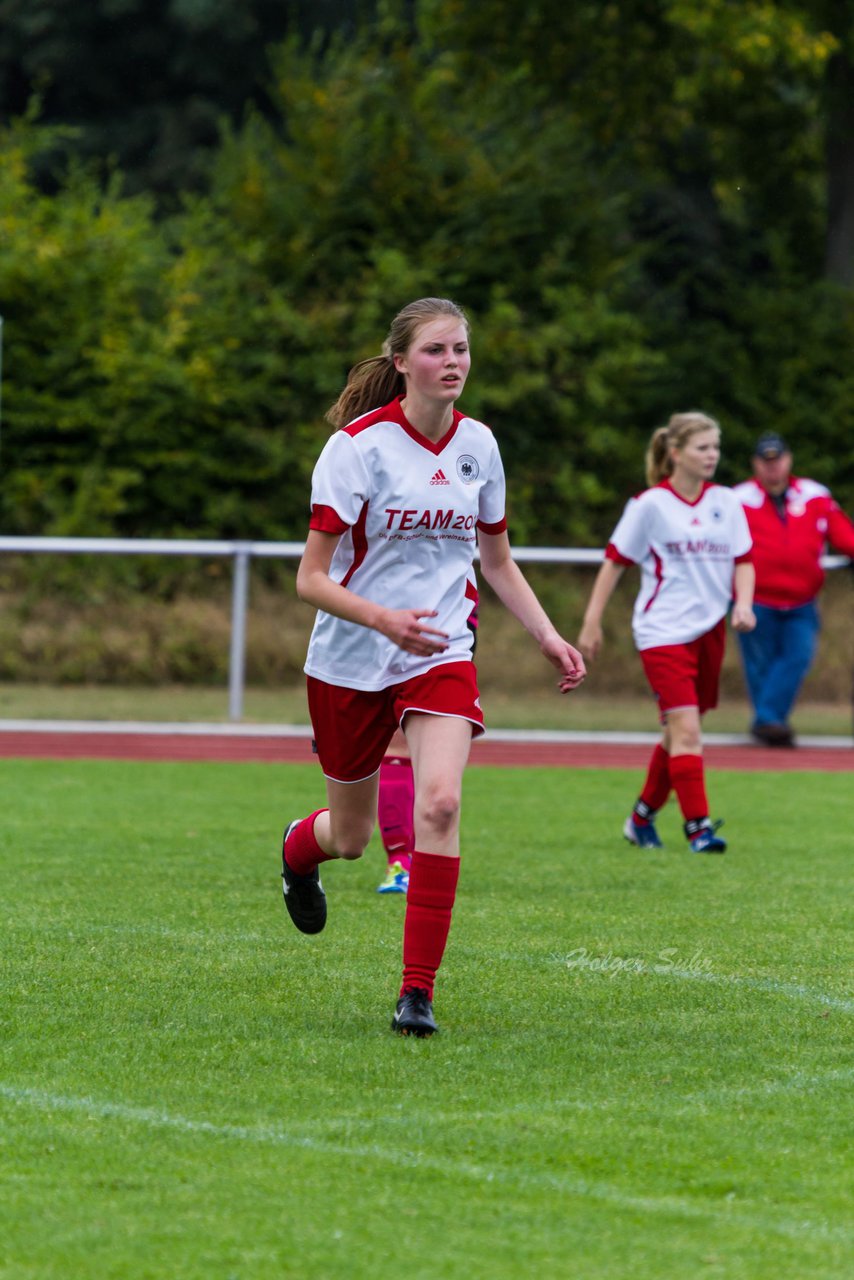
x: 590, y: 638
x: 515, y: 593
x: 744, y: 580
x: 405, y: 627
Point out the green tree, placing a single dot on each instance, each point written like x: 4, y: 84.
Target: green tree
x: 746, y: 107
x: 145, y: 82
x: 78, y: 277
x: 623, y: 252
x: 389, y: 174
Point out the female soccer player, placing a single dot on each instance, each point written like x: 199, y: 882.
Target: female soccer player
x: 401, y: 494
x: 691, y: 540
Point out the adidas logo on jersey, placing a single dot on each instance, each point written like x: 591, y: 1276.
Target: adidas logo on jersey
x: 439, y: 478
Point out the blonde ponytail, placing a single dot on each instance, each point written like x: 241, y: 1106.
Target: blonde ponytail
x: 677, y: 433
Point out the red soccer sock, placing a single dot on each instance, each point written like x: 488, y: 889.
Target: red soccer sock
x: 303, y: 853
x: 689, y: 783
x: 657, y: 786
x: 429, y: 903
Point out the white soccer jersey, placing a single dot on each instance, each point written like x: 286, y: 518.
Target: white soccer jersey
x: 687, y: 552
x: 407, y: 510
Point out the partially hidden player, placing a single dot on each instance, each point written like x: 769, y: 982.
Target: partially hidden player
x: 401, y: 494
x: 396, y: 799
x: 691, y: 540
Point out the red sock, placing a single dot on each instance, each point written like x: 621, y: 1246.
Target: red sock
x: 656, y: 789
x: 688, y: 778
x: 429, y: 903
x: 303, y: 852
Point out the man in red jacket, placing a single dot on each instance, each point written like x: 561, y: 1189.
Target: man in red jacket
x: 791, y: 520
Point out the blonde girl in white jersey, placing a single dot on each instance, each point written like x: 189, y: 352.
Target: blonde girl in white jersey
x: 691, y: 540
x: 402, y: 494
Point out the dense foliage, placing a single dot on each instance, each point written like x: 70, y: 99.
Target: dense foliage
x: 638, y: 204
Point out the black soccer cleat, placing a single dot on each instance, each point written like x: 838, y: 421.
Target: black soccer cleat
x: 414, y: 1014
x: 304, y: 896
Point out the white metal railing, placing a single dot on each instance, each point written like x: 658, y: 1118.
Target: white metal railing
x: 241, y: 553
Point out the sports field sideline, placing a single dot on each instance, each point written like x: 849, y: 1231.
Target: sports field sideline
x: 291, y: 744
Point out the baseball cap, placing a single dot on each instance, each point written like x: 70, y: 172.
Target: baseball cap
x: 770, y: 446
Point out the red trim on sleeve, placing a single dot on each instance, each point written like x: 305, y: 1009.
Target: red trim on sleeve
x: 499, y: 527
x: 747, y: 558
x: 326, y: 520
x: 611, y: 553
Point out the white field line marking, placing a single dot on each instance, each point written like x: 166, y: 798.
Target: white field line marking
x: 793, y: 990
x: 775, y: 986
x: 669, y: 1204
x: 147, y: 1116
x: 682, y: 1103
x: 795, y: 1082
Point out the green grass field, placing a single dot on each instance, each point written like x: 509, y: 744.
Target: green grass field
x: 644, y: 1068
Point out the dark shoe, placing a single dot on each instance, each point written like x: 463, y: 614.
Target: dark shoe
x: 643, y: 834
x: 414, y: 1014
x: 304, y: 896
x: 773, y: 735
x: 702, y: 837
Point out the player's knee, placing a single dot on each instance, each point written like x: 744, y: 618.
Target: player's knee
x: 689, y: 743
x: 350, y: 850
x: 350, y: 854
x: 351, y: 843
x: 440, y: 810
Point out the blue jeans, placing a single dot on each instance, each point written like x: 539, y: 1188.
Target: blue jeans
x: 777, y: 656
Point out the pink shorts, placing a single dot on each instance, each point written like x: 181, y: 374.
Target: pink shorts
x: 353, y: 727
x: 687, y: 675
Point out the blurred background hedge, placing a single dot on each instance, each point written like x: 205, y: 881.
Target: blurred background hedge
x: 210, y: 209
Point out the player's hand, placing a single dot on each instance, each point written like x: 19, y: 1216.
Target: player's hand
x: 567, y: 660
x: 407, y: 629
x: 743, y: 618
x: 590, y: 640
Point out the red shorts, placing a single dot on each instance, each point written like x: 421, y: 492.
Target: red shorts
x: 353, y: 727
x: 687, y: 675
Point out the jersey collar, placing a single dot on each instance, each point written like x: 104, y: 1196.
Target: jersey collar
x: 707, y: 485
x: 432, y: 446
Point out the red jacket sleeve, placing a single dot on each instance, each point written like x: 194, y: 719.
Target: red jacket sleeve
x: 840, y: 531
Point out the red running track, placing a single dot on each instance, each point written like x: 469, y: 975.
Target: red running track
x: 62, y: 744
